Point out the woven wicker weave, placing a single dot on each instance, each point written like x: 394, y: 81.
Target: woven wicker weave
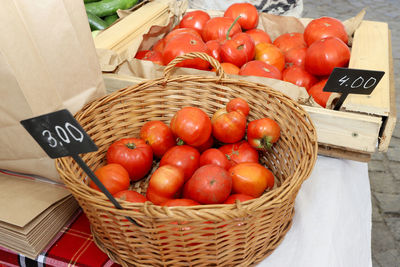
x: 240, y: 234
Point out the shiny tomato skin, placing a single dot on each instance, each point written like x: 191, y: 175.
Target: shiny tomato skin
x: 216, y: 157
x: 185, y: 157
x: 192, y: 125
x: 261, y: 69
x: 238, y: 50
x: 113, y: 176
x: 214, y: 48
x: 131, y: 196
x: 179, y: 202
x: 299, y: 77
x: 195, y: 20
x: 184, y: 43
x: 296, y: 57
x: 239, y: 152
x: 263, y: 133
x: 251, y: 179
x: 325, y: 27
x: 159, y: 136
x: 241, y: 197
x: 133, y: 154
x: 208, y: 144
x: 217, y: 28
x: 164, y: 184
x: 172, y: 34
x: 325, y: 55
x: 238, y: 104
x: 210, y: 184
x: 259, y: 36
x: 270, y: 54
x: 316, y: 91
x: 248, y: 14
x: 228, y: 127
x: 287, y: 41
x: 150, y: 55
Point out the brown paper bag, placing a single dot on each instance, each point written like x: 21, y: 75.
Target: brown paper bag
x: 47, y: 62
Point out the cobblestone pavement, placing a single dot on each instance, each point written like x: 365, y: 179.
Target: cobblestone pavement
x: 384, y: 168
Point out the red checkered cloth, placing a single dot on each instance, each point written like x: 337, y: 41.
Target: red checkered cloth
x: 73, y: 246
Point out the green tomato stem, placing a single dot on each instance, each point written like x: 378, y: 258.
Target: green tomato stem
x: 230, y: 28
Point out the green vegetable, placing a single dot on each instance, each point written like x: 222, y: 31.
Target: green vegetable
x: 110, y: 19
x: 95, y: 22
x: 89, y: 1
x: 109, y: 7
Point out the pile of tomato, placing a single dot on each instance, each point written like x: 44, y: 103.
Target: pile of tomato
x: 304, y: 59
x: 195, y: 159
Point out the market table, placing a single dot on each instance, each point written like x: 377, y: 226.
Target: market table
x: 331, y: 226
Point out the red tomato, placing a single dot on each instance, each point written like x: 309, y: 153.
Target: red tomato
x: 259, y: 36
x: 113, y: 176
x: 185, y: 157
x: 287, y: 41
x: 296, y: 57
x: 228, y: 127
x: 217, y: 28
x: 238, y: 50
x: 214, y: 48
x: 159, y: 136
x: 239, y: 152
x: 192, y: 125
x: 260, y: 68
x: 299, y: 77
x: 229, y: 68
x: 208, y: 144
x: 251, y: 179
x: 210, y: 184
x: 325, y: 55
x: 133, y: 154
x: 263, y: 133
x: 184, y: 43
x: 270, y: 54
x: 241, y: 197
x: 172, y: 34
x: 150, y: 55
x: 248, y: 15
x: 319, y: 96
x: 325, y: 27
x: 179, y: 202
x: 238, y: 104
x: 216, y: 157
x: 164, y: 184
x: 195, y: 20
x: 159, y: 46
x: 131, y: 196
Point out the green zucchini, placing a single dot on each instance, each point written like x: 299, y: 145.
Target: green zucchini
x: 110, y: 19
x: 89, y: 1
x: 95, y: 22
x: 109, y: 7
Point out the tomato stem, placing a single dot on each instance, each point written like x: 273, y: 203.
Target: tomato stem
x: 180, y: 142
x: 130, y: 145
x: 230, y: 28
x: 265, y: 142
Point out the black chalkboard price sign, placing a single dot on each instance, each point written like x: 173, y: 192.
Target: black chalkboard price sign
x: 60, y: 135
x: 352, y: 81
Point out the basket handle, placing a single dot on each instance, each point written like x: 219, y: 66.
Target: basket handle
x: 192, y: 55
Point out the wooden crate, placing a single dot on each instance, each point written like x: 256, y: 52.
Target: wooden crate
x: 367, y: 122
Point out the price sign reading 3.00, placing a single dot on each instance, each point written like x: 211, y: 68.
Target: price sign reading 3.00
x: 59, y: 134
x: 352, y: 81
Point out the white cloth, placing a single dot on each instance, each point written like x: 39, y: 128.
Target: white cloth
x: 332, y: 221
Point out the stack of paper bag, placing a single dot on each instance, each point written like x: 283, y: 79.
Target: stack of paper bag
x: 48, y: 62
x: 32, y: 213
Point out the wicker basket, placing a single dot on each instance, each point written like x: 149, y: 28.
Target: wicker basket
x: 240, y: 234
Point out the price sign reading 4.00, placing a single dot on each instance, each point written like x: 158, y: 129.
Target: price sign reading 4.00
x: 352, y: 81
x: 59, y: 134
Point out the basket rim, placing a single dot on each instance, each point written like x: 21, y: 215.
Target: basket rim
x: 276, y: 194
